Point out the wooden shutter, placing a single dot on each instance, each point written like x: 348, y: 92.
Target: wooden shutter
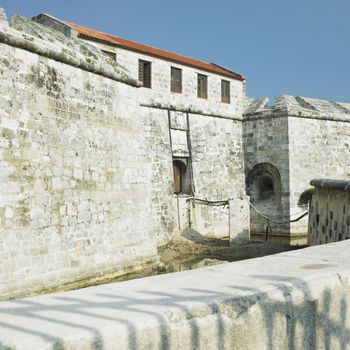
x: 177, y: 178
x: 176, y: 80
x: 141, y: 71
x: 225, y: 91
x: 202, y: 86
x: 145, y: 73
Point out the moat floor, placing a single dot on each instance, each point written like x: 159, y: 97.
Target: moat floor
x: 195, y: 251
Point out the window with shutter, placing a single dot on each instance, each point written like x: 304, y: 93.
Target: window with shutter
x: 145, y: 73
x: 182, y: 176
x: 176, y: 80
x: 225, y: 91
x: 202, y: 91
x: 177, y: 177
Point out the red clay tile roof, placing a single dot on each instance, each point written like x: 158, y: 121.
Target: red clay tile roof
x: 94, y: 35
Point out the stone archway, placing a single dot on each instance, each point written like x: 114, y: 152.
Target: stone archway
x: 264, y: 183
x: 264, y: 186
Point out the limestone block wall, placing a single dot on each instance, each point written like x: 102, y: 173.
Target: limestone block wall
x: 329, y: 218
x: 217, y: 171
x: 160, y: 93
x: 158, y: 153
x: 87, y: 182
x: 303, y: 138
x: 318, y: 148
x: 266, y: 147
x: 216, y: 162
x: 75, y: 196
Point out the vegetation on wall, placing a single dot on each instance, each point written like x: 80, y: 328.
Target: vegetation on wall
x: 305, y: 198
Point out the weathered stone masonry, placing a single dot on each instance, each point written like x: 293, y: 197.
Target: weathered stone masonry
x: 329, y: 218
x: 291, y: 143
x: 87, y: 164
x: 75, y: 176
x: 92, y: 162
x: 210, y: 130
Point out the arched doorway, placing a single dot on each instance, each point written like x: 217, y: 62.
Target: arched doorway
x: 264, y: 183
x: 264, y: 186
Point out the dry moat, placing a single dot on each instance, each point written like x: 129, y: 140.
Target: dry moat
x: 188, y: 252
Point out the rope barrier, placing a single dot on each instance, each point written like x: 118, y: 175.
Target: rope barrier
x: 209, y: 203
x: 224, y: 203
x: 269, y: 220
x: 278, y: 222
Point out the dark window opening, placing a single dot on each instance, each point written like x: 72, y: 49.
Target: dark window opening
x: 145, y: 73
x: 225, y: 91
x: 202, y: 87
x: 177, y: 177
x: 176, y: 80
x: 265, y: 187
x: 111, y: 55
x: 182, y: 180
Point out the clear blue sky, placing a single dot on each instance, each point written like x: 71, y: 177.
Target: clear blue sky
x: 297, y: 47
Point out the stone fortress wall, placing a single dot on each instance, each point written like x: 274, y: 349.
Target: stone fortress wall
x: 286, y: 146
x: 160, y: 93
x: 266, y: 147
x: 204, y: 132
x: 87, y: 183
x: 329, y: 218
x: 90, y: 158
x: 75, y: 194
x: 223, y: 156
x: 191, y: 122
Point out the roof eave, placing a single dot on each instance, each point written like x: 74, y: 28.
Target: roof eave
x: 230, y: 74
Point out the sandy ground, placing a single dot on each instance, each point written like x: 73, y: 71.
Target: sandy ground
x: 191, y: 248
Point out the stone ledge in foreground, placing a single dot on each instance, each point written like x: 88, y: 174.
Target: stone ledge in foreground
x: 292, y: 300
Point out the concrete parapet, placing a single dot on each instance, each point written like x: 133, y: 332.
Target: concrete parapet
x: 329, y: 219
x: 293, y: 300
x: 342, y: 185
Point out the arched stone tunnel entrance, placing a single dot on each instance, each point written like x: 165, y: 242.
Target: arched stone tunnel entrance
x: 264, y: 187
x: 264, y: 184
